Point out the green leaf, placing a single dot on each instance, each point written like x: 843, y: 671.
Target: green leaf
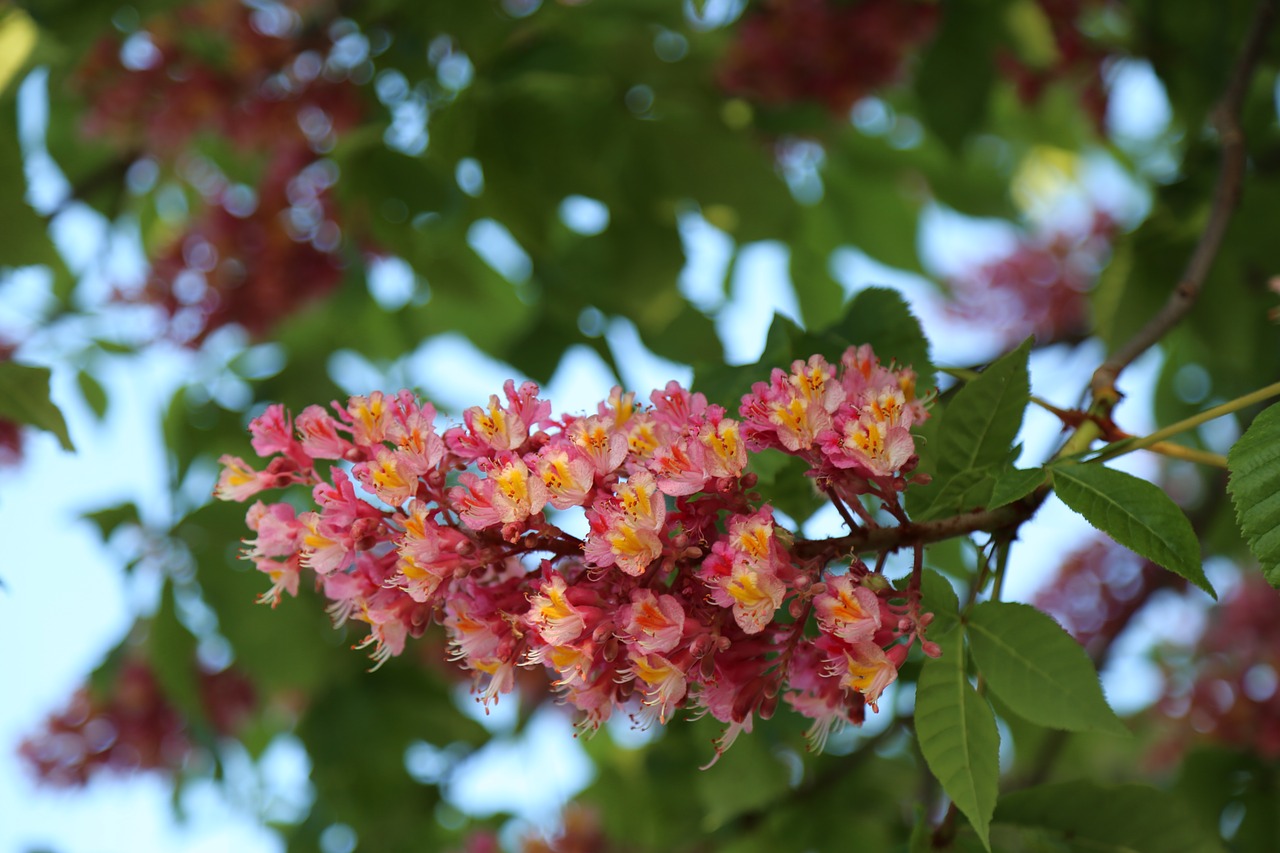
x: 958, y: 737
x: 955, y: 105
x: 975, y: 437
x: 939, y: 598
x: 1135, y: 513
x: 95, y: 396
x: 1119, y: 818
x: 171, y: 649
x: 1254, y: 463
x: 110, y: 519
x: 881, y: 317
x: 980, y: 425
x: 1014, y: 485
x: 783, y: 484
x: 1037, y: 669
x: 24, y: 397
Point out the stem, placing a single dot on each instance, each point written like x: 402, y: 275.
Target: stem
x: 1226, y: 196
x: 1128, y: 445
x: 1002, y: 561
x: 1190, y: 454
x: 912, y: 533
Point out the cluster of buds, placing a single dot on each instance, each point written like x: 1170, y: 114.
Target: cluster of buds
x: 685, y: 591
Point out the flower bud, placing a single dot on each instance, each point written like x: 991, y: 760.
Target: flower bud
x: 931, y: 649
x: 877, y: 583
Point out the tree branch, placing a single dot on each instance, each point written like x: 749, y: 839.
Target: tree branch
x: 911, y: 533
x: 1226, y: 196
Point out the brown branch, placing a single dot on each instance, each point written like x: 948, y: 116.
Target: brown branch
x: 913, y: 533
x: 1226, y: 196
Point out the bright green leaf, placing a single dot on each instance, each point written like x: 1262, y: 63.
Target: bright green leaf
x: 1118, y: 818
x: 958, y: 737
x: 1135, y: 513
x: 1254, y: 463
x: 24, y: 397
x: 1037, y: 669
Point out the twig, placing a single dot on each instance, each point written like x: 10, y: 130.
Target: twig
x: 1128, y: 445
x: 911, y: 533
x: 1226, y: 195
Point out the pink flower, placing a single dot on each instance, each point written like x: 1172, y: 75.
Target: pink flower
x: 318, y: 434
x: 368, y: 419
x: 567, y: 474
x: 625, y: 528
x: 551, y: 615
x: 390, y: 476
x: 847, y: 611
x: 277, y: 528
x: 664, y: 686
x: 652, y: 623
x: 596, y: 437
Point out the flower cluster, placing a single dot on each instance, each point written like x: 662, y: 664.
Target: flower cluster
x: 685, y: 591
x: 128, y: 724
x: 271, y: 81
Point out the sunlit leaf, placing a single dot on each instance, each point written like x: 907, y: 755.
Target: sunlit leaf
x: 1135, y: 513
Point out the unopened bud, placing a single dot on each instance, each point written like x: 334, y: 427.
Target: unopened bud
x: 795, y: 608
x: 931, y: 649
x: 749, y: 480
x: 768, y: 706
x: 465, y: 548
x: 877, y: 583
x: 926, y: 619
x: 700, y: 645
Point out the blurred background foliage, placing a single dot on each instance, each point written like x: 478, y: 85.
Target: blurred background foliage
x: 313, y: 179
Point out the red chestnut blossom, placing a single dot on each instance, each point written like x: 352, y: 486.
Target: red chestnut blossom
x: 684, y: 594
x: 824, y: 50
x: 1040, y: 288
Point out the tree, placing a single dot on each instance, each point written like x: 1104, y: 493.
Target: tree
x: 529, y: 174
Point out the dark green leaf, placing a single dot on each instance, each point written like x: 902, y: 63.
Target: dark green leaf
x: 1014, y: 485
x: 171, y: 650
x: 954, y: 105
x: 24, y: 398
x: 939, y: 598
x: 1135, y: 513
x: 1037, y: 669
x: 881, y: 317
x: 973, y: 448
x: 111, y: 518
x: 1254, y: 463
x: 1117, y: 818
x: 979, y: 426
x: 958, y: 737
x: 95, y: 396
